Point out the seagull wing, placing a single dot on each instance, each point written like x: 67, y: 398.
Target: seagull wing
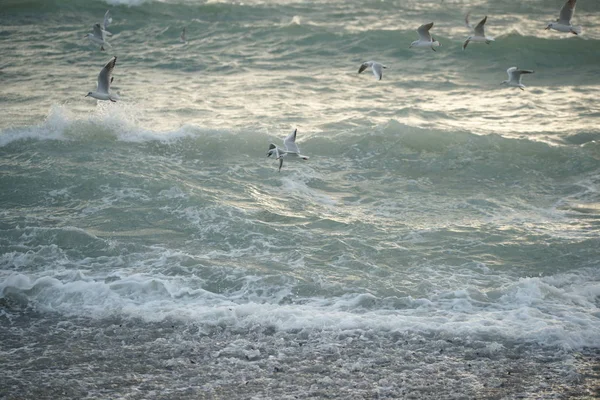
x: 424, y: 32
x: 98, y: 32
x: 107, y: 19
x: 479, y: 28
x: 104, y: 78
x: 520, y: 72
x: 363, y: 67
x: 467, y: 23
x: 182, y: 37
x: 377, y: 70
x: 566, y: 13
x: 290, y: 143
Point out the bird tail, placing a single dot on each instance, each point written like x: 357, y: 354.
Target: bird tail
x: 576, y: 30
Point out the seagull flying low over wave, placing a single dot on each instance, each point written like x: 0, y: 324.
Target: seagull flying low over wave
x: 425, y: 38
x: 99, y: 37
x: 514, y: 77
x: 376, y: 67
x: 563, y: 23
x: 479, y: 35
x: 182, y: 36
x: 104, y: 80
x: 291, y: 149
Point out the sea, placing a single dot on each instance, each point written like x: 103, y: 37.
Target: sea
x: 441, y: 241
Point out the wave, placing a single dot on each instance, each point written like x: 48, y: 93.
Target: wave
x: 549, y: 311
x: 394, y: 142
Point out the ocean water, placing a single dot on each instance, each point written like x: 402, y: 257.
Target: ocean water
x: 442, y: 241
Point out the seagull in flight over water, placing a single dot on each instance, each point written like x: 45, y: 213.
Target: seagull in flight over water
x: 105, y: 78
x: 375, y: 66
x: 99, y: 37
x: 291, y: 149
x: 425, y: 38
x: 514, y: 77
x: 479, y: 35
x: 563, y: 23
x: 182, y: 36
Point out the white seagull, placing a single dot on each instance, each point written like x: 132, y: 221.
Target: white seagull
x: 291, y: 149
x: 563, y: 23
x: 425, y: 38
x: 99, y: 37
x: 104, y: 80
x: 376, y: 67
x: 107, y: 21
x: 479, y: 35
x: 182, y: 38
x: 514, y: 77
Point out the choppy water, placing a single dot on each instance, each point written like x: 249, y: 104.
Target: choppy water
x: 441, y: 242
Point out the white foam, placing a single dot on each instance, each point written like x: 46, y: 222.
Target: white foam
x: 532, y: 310
x: 109, y: 121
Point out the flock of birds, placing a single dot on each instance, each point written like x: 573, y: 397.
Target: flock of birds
x: 562, y: 24
x: 426, y: 40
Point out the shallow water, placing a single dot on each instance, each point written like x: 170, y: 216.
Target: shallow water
x: 441, y: 242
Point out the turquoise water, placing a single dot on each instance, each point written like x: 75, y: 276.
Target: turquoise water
x: 440, y: 242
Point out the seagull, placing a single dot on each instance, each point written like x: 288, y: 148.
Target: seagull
x: 104, y: 80
x: 182, y: 37
x: 106, y: 23
x: 514, y: 77
x: 479, y: 32
x: 375, y: 66
x: 425, y: 38
x: 291, y: 149
x: 563, y: 23
x: 99, y: 37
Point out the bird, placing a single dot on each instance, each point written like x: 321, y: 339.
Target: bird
x: 182, y: 36
x: 376, y: 67
x: 99, y: 37
x: 563, y: 23
x: 425, y: 38
x: 107, y: 22
x: 479, y: 35
x: 291, y: 149
x: 514, y: 77
x: 104, y: 80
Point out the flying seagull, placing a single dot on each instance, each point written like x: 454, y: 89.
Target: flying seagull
x: 563, y: 23
x: 291, y: 149
x: 479, y: 33
x: 375, y: 66
x: 104, y: 80
x: 99, y: 37
x: 514, y: 77
x: 425, y: 38
x: 182, y: 36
